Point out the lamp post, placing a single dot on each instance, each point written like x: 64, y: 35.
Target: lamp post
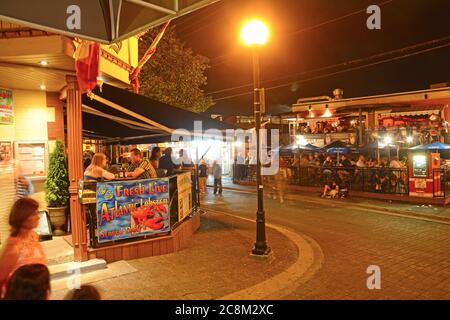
x: 255, y: 34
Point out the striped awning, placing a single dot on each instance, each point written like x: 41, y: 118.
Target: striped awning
x: 412, y: 111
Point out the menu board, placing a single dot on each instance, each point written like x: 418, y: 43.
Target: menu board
x: 184, y: 185
x: 420, y: 166
x: 32, y: 157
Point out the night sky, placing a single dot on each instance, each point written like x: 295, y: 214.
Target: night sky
x: 312, y: 34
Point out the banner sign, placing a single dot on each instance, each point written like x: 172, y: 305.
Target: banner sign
x: 6, y: 106
x: 129, y: 209
x: 184, y: 186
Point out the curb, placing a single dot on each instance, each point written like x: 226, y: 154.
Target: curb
x: 64, y: 270
x: 373, y: 209
x: 310, y: 260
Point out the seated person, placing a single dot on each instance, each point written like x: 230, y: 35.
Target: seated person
x: 96, y: 170
x: 331, y: 188
x: 140, y: 168
x: 327, y: 166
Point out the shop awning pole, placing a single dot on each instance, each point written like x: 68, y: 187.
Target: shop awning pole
x: 93, y: 111
x: 128, y: 112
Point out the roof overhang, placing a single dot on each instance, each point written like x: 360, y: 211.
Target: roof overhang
x: 429, y: 96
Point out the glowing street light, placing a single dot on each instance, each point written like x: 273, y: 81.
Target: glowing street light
x: 255, y: 34
x: 409, y: 139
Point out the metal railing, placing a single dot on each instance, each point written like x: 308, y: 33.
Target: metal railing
x: 441, y: 183
x: 376, y: 180
x: 379, y: 180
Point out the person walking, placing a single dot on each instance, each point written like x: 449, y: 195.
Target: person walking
x: 22, y: 246
x: 217, y: 173
x: 202, y: 175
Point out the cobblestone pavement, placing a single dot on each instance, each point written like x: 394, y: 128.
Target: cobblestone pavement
x: 413, y: 255
x: 216, y: 263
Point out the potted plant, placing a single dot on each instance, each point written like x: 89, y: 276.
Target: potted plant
x: 57, y: 188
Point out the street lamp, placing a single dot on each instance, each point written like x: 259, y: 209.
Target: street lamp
x: 255, y: 34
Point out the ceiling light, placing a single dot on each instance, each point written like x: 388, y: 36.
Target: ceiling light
x: 43, y: 62
x: 43, y: 87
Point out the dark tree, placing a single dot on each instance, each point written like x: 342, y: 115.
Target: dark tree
x: 174, y: 74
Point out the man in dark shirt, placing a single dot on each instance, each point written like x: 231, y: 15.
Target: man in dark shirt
x: 202, y: 175
x: 346, y: 163
x: 166, y: 162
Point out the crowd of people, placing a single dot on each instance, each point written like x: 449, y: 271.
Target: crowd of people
x: 98, y: 167
x: 324, y: 127
x: 24, y: 274
x: 337, y: 174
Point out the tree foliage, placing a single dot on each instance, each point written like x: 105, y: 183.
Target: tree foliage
x: 174, y: 74
x: 57, y: 183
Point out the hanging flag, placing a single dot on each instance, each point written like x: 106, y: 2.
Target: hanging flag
x: 87, y: 64
x: 134, y: 75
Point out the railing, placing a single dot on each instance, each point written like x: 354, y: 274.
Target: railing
x: 441, y: 183
x: 379, y: 180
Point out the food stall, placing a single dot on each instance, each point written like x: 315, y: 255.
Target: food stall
x: 147, y: 213
x: 425, y: 170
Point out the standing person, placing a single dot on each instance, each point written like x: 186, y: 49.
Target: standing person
x: 155, y: 156
x: 217, y: 173
x: 166, y: 162
x: 96, y: 170
x: 140, y: 168
x: 22, y: 246
x: 29, y: 282
x: 202, y: 175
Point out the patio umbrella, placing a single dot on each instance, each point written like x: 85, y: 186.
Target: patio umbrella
x: 432, y: 146
x: 293, y: 147
x: 103, y: 21
x: 338, y: 151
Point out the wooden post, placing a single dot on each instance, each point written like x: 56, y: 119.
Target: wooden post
x: 75, y: 159
x: 360, y: 133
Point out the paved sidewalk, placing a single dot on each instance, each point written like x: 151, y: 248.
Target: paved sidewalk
x: 217, y: 263
x: 434, y: 212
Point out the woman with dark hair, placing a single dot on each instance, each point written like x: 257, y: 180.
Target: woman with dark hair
x: 85, y: 292
x: 22, y: 246
x: 29, y: 282
x: 155, y: 156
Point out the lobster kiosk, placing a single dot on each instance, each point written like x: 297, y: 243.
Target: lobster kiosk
x: 131, y: 219
x: 424, y: 173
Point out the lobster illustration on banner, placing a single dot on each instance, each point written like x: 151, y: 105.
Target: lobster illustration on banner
x: 151, y: 217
